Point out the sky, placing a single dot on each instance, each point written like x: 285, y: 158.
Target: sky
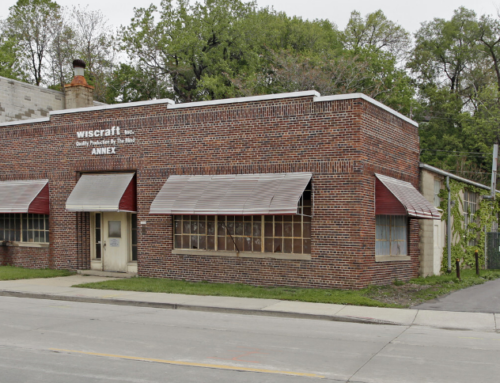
x: 408, y: 14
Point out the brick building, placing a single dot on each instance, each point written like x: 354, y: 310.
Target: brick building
x: 289, y: 189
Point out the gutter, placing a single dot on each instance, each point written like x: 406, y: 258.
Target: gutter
x: 455, y: 177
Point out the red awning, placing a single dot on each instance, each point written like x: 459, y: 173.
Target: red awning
x: 395, y: 197
x: 233, y: 194
x: 26, y: 196
x: 104, y: 192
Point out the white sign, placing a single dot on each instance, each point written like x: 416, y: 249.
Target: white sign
x: 114, y: 242
x: 104, y: 146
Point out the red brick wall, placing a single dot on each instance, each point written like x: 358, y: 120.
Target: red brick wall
x: 29, y: 257
x: 342, y: 142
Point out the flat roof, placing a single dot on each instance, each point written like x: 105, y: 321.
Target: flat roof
x: 170, y: 104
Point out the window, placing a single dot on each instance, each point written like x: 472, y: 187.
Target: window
x: 24, y: 228
x: 391, y: 235
x: 437, y: 189
x: 97, y: 235
x: 134, y: 237
x: 257, y: 233
x: 470, y: 207
x: 114, y: 229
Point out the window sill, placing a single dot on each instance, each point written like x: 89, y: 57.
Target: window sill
x: 243, y: 254
x: 392, y: 258
x: 28, y: 244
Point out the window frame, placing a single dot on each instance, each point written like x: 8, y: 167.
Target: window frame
x: 240, y: 233
x: 390, y: 256
x: 237, y: 228
x: 25, y: 228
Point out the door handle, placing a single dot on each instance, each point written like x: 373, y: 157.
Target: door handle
x: 104, y: 245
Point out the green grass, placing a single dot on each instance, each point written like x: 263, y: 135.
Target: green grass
x: 399, y: 294
x: 155, y: 285
x: 10, y: 272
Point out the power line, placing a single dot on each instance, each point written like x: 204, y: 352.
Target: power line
x: 450, y: 151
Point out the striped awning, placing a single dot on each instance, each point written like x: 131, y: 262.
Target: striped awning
x: 103, y: 192
x: 240, y: 194
x: 26, y: 196
x: 415, y: 203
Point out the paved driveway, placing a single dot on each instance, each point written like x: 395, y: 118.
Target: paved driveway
x: 483, y: 298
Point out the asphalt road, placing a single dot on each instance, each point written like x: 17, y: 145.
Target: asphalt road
x: 53, y: 341
x: 483, y: 298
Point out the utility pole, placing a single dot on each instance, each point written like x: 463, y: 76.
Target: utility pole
x: 448, y: 224
x: 494, y: 172
x: 492, y: 195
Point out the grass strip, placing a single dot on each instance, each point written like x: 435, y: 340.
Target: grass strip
x: 11, y: 272
x: 158, y: 285
x: 399, y: 294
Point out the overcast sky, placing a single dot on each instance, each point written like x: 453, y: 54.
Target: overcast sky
x: 407, y: 13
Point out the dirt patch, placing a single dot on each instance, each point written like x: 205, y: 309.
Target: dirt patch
x: 406, y: 295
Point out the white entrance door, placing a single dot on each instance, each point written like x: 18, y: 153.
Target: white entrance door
x: 115, y: 241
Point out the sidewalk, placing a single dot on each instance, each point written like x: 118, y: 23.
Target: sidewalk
x: 60, y: 289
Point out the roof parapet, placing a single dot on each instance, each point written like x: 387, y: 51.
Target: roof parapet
x: 366, y: 98
x: 172, y: 105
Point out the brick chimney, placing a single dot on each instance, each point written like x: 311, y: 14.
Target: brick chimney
x: 78, y: 94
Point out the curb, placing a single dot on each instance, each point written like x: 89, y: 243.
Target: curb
x: 174, y: 306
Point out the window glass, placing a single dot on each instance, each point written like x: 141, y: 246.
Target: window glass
x: 273, y: 234
x: 134, y: 237
x: 24, y: 228
x: 114, y: 229
x: 98, y: 235
x: 391, y: 233
x: 258, y: 233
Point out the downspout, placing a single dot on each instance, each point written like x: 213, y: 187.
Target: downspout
x: 448, y: 224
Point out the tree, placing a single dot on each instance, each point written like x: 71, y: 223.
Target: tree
x: 489, y: 36
x: 194, y: 45
x: 128, y: 84
x: 32, y: 24
x: 9, y: 60
x: 62, y: 52
x: 95, y: 43
x: 446, y: 52
x: 337, y: 72
x: 375, y: 32
x: 455, y: 63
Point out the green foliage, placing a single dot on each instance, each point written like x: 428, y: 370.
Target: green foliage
x: 486, y: 214
x: 228, y: 48
x: 9, y: 60
x: 195, y: 46
x: 375, y: 32
x: 32, y: 24
x: 457, y: 71
x: 129, y: 84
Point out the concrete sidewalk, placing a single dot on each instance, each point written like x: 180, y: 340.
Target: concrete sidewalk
x: 60, y: 289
